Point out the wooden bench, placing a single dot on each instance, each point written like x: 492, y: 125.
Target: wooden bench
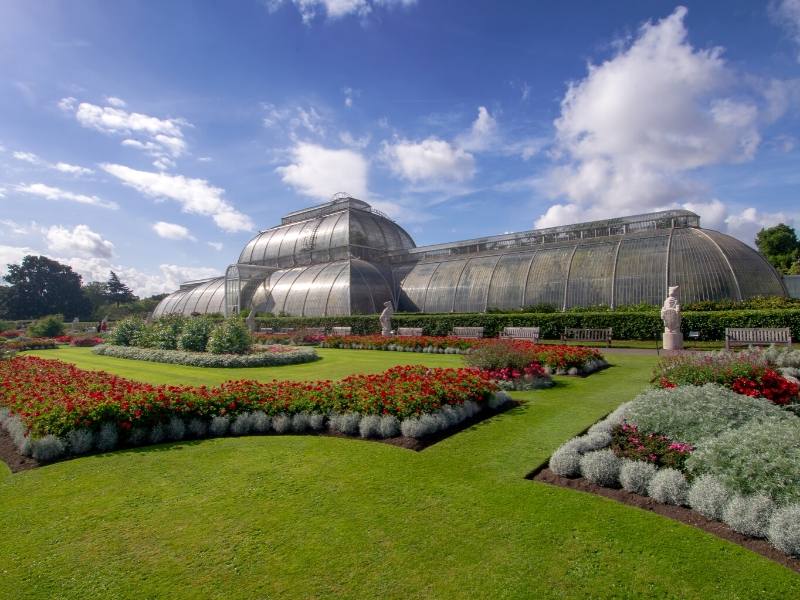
x: 467, y: 332
x: 409, y: 331
x: 757, y: 336
x: 341, y: 330
x: 597, y: 334
x: 520, y: 333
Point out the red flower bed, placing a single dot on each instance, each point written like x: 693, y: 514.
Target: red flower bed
x: 53, y: 397
x: 628, y: 442
x: 555, y: 356
x: 744, y: 372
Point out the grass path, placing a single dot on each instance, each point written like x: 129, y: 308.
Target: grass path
x: 316, y: 517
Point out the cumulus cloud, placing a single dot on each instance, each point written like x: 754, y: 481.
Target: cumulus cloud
x: 430, y: 160
x: 786, y: 13
x: 320, y: 172
x: 28, y: 157
x: 53, y: 193
x: 72, y: 169
x: 482, y: 134
x: 195, y: 196
x: 216, y: 245
x: 163, y: 139
x: 336, y: 9
x: 172, y: 231
x: 637, y: 125
x: 116, y: 102
x: 79, y: 241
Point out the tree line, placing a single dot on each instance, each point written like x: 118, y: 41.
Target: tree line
x: 40, y: 286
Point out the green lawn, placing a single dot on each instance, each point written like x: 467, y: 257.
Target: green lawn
x: 318, y: 517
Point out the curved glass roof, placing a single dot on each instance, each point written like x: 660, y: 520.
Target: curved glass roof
x: 206, y: 297
x: 628, y: 269
x: 343, y: 230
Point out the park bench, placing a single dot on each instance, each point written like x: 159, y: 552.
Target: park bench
x: 520, y: 333
x: 757, y: 336
x: 409, y: 331
x: 587, y: 334
x: 467, y: 332
x: 341, y: 330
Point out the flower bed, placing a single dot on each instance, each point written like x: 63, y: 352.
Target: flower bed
x: 559, y: 359
x: 80, y: 341
x: 730, y: 457
x: 265, y: 356
x: 749, y: 372
x: 22, y: 343
x: 52, y: 408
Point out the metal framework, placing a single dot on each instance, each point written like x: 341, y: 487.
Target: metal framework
x: 343, y: 258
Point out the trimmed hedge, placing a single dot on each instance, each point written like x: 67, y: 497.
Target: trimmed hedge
x: 626, y: 325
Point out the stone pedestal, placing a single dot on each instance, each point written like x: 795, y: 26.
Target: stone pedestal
x: 673, y: 341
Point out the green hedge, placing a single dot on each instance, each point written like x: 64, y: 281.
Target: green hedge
x: 626, y: 325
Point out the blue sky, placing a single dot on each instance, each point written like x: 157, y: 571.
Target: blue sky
x: 156, y: 138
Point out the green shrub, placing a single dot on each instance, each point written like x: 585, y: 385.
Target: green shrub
x: 195, y: 334
x: 627, y: 325
x: 49, y: 326
x: 6, y: 325
x: 126, y: 332
x: 165, y: 332
x: 230, y: 337
x: 762, y: 456
x: 691, y: 413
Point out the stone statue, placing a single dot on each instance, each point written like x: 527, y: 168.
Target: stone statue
x: 75, y: 324
x: 251, y: 321
x: 386, y: 318
x: 671, y: 315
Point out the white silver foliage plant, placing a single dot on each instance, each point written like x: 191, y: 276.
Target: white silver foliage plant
x: 260, y: 421
x: 158, y: 433
x: 635, y: 475
x: 197, y: 427
x: 316, y: 421
x: 708, y: 496
x: 300, y: 422
x: 48, y: 448
x: 390, y: 426
x: 601, y: 467
x: 566, y: 462
x: 668, y: 486
x: 370, y: 426
x: 242, y: 424
x: 749, y: 515
x: 219, y: 425
x: 783, y: 530
x: 346, y: 423
x: 107, y: 437
x: 80, y: 441
x: 282, y: 423
x: 418, y: 427
x: 176, y: 428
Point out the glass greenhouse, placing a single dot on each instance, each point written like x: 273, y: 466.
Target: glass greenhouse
x: 344, y: 258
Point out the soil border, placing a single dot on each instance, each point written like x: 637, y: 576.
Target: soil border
x: 676, y: 513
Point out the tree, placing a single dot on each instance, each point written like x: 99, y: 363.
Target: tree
x: 117, y: 292
x: 779, y: 245
x: 40, y: 286
x: 97, y: 293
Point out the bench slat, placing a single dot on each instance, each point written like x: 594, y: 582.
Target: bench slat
x: 757, y: 336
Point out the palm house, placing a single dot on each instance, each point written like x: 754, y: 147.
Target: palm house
x: 344, y: 258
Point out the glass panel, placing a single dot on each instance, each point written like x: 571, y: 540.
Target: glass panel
x: 442, y: 288
x: 507, y: 289
x: 755, y: 275
x: 548, y: 276
x: 590, y: 275
x: 641, y: 271
x: 473, y: 286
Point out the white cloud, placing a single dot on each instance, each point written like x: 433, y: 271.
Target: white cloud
x: 431, y: 160
x: 68, y: 104
x: 294, y: 120
x: 28, y: 157
x: 216, y: 245
x: 348, y: 139
x: 337, y: 9
x: 167, y: 278
x: 163, y: 139
x: 349, y: 95
x: 172, y: 231
x: 634, y: 128
x: 72, y: 169
x: 53, y: 193
x: 116, y: 102
x: 787, y: 14
x: 80, y: 241
x: 196, y: 196
x: 482, y: 134
x: 321, y: 172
